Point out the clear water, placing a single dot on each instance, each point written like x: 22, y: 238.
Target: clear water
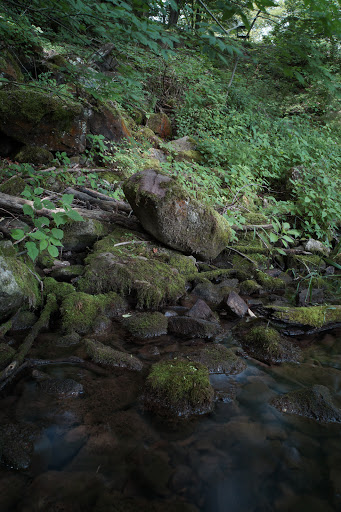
x: 101, y: 452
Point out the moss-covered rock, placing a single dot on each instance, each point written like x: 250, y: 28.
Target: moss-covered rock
x: 9, y: 67
x: 266, y: 344
x: 145, y: 272
x: 160, y: 124
x: 146, y: 325
x: 34, y: 155
x: 14, y: 186
x: 41, y: 119
x: 82, y: 235
x: 67, y: 273
x: 215, y: 294
x: 60, y: 290
x: 18, y: 285
x: 268, y: 283
x: 218, y: 359
x: 305, y: 264
x: 314, y: 316
x: 165, y: 210
x: 249, y: 287
x: 23, y: 320
x: 107, y: 120
x: 107, y: 356
x: 6, y: 355
x: 80, y: 310
x: 187, y: 327
x: 315, y: 403
x: 178, y: 388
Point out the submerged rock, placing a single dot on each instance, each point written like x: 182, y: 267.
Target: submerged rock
x: 17, y: 444
x: 315, y: 403
x: 108, y: 356
x: 165, y: 211
x: 63, y: 388
x: 266, y: 344
x: 146, y: 325
x: 218, y: 359
x: 178, y: 388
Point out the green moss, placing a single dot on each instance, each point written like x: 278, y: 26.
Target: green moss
x: 250, y: 248
x: 218, y: 359
x: 146, y: 325
x: 181, y: 385
x: 31, y: 106
x: 25, y: 280
x: 269, y: 283
x: 249, y: 287
x: 7, y: 353
x: 314, y: 316
x: 265, y: 338
x: 7, y: 248
x: 80, y: 310
x: 189, y: 155
x: 307, y: 263
x: 102, y: 354
x: 147, y: 271
x: 14, y: 186
x: 60, y: 290
x: 34, y: 155
x: 256, y: 218
x: 212, y: 275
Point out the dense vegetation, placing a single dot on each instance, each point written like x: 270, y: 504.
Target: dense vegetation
x: 254, y: 82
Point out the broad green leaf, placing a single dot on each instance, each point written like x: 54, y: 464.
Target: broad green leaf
x: 273, y: 237
x: 38, y: 191
x: 72, y: 214
x: 32, y: 250
x: 56, y: 242
x: 39, y: 222
x: 28, y: 210
x: 53, y: 251
x: 17, y: 234
x: 48, y: 204
x: 57, y: 233
x: 66, y: 199
x: 38, y: 235
x: 43, y: 245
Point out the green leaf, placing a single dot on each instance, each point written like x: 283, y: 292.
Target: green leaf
x: 43, y: 245
x: 41, y: 221
x: 59, y: 218
x: 37, y: 203
x: 17, y: 234
x: 38, y: 235
x: 32, y: 250
x: 273, y: 238
x: 56, y: 242
x: 28, y: 210
x: 57, y: 233
x: 66, y: 199
x: 48, y: 204
x: 53, y: 251
x: 280, y: 251
x: 72, y: 214
x: 38, y: 191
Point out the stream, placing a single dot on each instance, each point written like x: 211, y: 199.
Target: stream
x: 100, y: 451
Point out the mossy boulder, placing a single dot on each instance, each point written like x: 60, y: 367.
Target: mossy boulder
x: 314, y: 316
x: 143, y: 271
x: 80, y: 310
x: 166, y: 212
x: 269, y: 283
x: 146, y: 325
x: 178, y: 388
x: 315, y: 403
x: 107, y: 356
x: 218, y: 359
x: 6, y: 355
x: 83, y: 234
x: 41, y: 119
x: 215, y: 294
x: 108, y: 121
x: 60, y: 290
x: 187, y: 327
x: 23, y: 320
x: 266, y: 344
x: 184, y: 150
x: 160, y: 124
x: 14, y: 186
x: 249, y: 287
x: 18, y: 286
x: 67, y: 273
x: 34, y: 155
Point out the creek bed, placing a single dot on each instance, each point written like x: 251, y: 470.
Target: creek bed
x: 101, y: 452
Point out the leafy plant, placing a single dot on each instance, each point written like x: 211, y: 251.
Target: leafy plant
x: 45, y: 235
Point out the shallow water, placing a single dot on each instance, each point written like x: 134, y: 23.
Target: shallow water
x: 101, y: 452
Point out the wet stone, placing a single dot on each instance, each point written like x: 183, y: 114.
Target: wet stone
x: 17, y: 444
x: 63, y: 388
x: 218, y: 359
x: 236, y: 304
x: 192, y: 327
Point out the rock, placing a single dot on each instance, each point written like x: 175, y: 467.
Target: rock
x: 6, y: 355
x: 201, y: 310
x: 14, y: 186
x: 249, y: 287
x: 108, y: 356
x: 63, y: 388
x: 265, y: 344
x: 315, y: 403
x: 160, y: 124
x: 215, y: 294
x: 34, y: 155
x: 17, y: 445
x: 18, y: 286
x: 40, y: 119
x: 23, y: 320
x: 218, y: 359
x: 184, y: 326
x: 68, y: 340
x: 106, y: 120
x: 82, y: 235
x: 157, y: 154
x: 167, y: 213
x: 145, y: 273
x: 307, y: 296
x: 316, y: 246
x: 146, y: 325
x: 178, y: 388
x: 67, y: 273
x: 9, y: 67
x: 313, y: 316
x: 80, y: 310
x: 237, y: 305
x: 185, y: 150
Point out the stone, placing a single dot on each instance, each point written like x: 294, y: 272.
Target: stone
x: 34, y: 155
x: 17, y: 445
x: 315, y: 403
x: 237, y: 305
x: 215, y: 294
x: 6, y: 355
x: 316, y: 246
x: 160, y: 124
x: 185, y: 150
x: 178, y: 388
x: 218, y: 359
x: 82, y: 235
x: 62, y: 388
x: 67, y: 273
x: 201, y: 310
x: 107, y: 356
x: 106, y: 120
x: 312, y: 316
x: 146, y: 325
x: 43, y: 120
x: 184, y: 326
x: 166, y: 212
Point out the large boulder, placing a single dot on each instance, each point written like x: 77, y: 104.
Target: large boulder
x: 106, y: 120
x: 41, y: 119
x: 160, y: 124
x: 166, y: 212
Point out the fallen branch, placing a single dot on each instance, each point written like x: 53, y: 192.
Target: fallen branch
x: 241, y: 254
